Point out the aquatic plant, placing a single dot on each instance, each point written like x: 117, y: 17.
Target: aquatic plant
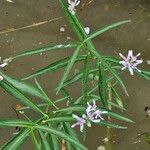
x: 51, y: 128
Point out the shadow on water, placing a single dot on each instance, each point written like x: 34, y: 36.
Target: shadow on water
x: 135, y: 35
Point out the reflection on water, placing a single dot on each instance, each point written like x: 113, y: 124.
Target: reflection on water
x: 135, y: 35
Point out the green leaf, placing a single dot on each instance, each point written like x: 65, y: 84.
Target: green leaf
x: 14, y: 122
x: 52, y: 67
x: 54, y: 143
x: 68, y: 129
x: 144, y: 74
x: 119, y: 117
x: 49, y: 101
x: 44, y: 104
x: 59, y: 119
x: 106, y: 28
x: 16, y: 141
x: 103, y: 86
x: 111, y: 125
x: 117, y: 97
x: 68, y: 68
x: 24, y: 87
x: 85, y: 77
x: 61, y: 135
x: 35, y: 141
x: 19, y: 96
x: 77, y: 77
x: 72, y: 20
x: 44, y: 141
x: 44, y: 49
x: 110, y: 69
x: 71, y: 108
x: 111, y: 59
x: 109, y: 102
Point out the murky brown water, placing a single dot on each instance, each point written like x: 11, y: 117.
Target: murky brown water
x: 135, y: 35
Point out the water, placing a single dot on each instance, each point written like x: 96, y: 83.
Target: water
x: 135, y: 35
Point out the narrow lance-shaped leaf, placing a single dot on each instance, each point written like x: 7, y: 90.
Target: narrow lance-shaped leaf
x: 14, y: 122
x: 49, y: 101
x: 19, y: 96
x: 59, y: 119
x: 45, y: 144
x: 68, y: 68
x: 76, y: 25
x: 44, y: 49
x: 144, y: 74
x: 103, y: 86
x: 85, y: 77
x: 71, y: 20
x: 106, y: 28
x: 52, y: 67
x: 118, y: 116
x: 35, y: 141
x: 110, y: 69
x: 60, y: 135
x: 24, y: 87
x: 117, y: 97
x: 16, y: 141
x: 68, y: 129
x: 111, y: 125
x: 76, y: 78
x: 65, y: 93
x: 71, y: 108
x: 54, y: 142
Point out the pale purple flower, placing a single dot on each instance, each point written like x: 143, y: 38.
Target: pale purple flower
x: 91, y: 108
x: 130, y: 62
x: 80, y: 121
x: 98, y: 114
x: 92, y: 115
x: 72, y: 5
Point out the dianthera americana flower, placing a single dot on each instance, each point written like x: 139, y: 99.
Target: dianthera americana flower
x: 80, y: 121
x: 92, y: 115
x: 130, y: 62
x: 72, y: 5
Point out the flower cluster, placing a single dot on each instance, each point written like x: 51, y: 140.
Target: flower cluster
x: 72, y: 5
x: 130, y: 62
x: 92, y: 115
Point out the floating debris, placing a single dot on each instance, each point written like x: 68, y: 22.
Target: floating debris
x: 148, y: 62
x: 101, y: 148
x: 10, y: 1
x: 87, y: 30
x: 147, y: 111
x: 68, y: 38
x: 62, y: 29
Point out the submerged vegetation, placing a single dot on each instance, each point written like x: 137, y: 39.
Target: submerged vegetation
x: 94, y: 106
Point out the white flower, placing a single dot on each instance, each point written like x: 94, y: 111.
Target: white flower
x: 130, y: 62
x: 72, y: 5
